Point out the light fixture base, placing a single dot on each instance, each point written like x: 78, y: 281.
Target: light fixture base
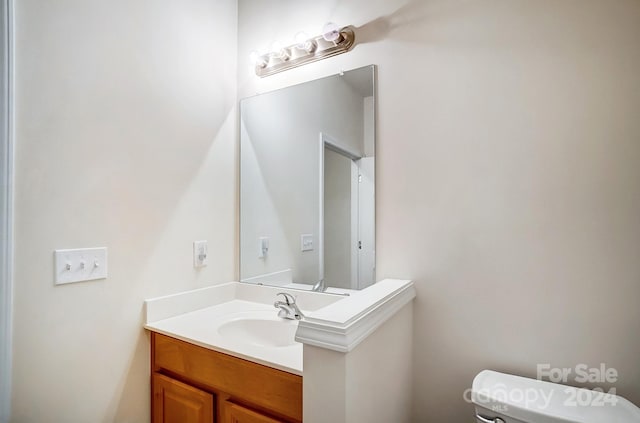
x: 300, y: 56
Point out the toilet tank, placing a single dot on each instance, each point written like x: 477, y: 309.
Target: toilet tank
x: 500, y: 397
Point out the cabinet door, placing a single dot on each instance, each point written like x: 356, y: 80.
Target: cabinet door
x: 235, y: 413
x: 176, y: 402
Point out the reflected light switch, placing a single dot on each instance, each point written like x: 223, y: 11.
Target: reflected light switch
x: 263, y: 247
x: 306, y: 242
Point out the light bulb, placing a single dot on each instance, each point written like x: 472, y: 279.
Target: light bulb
x: 303, y: 42
x: 310, y: 46
x: 284, y: 54
x: 301, y: 39
x: 257, y: 59
x: 331, y: 32
x: 280, y: 52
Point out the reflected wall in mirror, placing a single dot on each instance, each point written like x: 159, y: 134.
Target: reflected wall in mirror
x: 307, y: 184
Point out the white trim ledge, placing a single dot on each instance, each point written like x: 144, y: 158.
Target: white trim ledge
x: 345, y: 324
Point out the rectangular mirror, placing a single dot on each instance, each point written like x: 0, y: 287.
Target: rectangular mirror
x: 307, y: 184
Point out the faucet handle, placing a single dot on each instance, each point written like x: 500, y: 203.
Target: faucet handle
x: 288, y: 298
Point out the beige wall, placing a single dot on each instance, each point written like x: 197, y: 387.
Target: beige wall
x: 508, y: 184
x: 507, y: 187
x: 125, y: 135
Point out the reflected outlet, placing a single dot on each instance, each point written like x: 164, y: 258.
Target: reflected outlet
x: 200, y: 253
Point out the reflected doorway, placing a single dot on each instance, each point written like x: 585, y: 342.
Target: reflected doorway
x: 348, y: 210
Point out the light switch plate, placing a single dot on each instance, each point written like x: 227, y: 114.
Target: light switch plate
x: 263, y: 247
x: 306, y: 242
x: 79, y: 265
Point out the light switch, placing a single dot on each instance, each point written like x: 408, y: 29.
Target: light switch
x: 306, y: 242
x: 80, y: 265
x: 263, y: 247
x: 200, y: 253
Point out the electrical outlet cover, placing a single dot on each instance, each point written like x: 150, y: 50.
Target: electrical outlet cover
x: 200, y: 253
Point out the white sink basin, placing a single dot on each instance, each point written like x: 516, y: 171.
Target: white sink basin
x: 244, y: 329
x: 260, y: 331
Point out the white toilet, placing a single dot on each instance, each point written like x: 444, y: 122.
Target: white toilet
x: 504, y: 398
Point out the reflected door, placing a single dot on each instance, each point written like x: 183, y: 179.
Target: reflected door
x: 348, y: 202
x: 340, y: 230
x: 366, y: 223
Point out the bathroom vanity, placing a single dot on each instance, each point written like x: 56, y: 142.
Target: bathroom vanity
x: 222, y: 354
x: 192, y: 384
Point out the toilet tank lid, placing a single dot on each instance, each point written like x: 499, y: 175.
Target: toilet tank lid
x: 533, y: 400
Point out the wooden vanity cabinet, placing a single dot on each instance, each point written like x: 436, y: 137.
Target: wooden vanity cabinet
x: 175, y: 401
x: 235, y: 413
x: 192, y: 384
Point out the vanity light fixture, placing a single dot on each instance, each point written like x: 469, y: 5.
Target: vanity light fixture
x: 257, y: 59
x: 333, y: 41
x: 331, y: 32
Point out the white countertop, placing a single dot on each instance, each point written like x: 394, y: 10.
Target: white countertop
x: 200, y: 327
x: 334, y: 322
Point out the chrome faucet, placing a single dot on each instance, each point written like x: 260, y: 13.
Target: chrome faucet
x: 319, y: 286
x: 288, y: 308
